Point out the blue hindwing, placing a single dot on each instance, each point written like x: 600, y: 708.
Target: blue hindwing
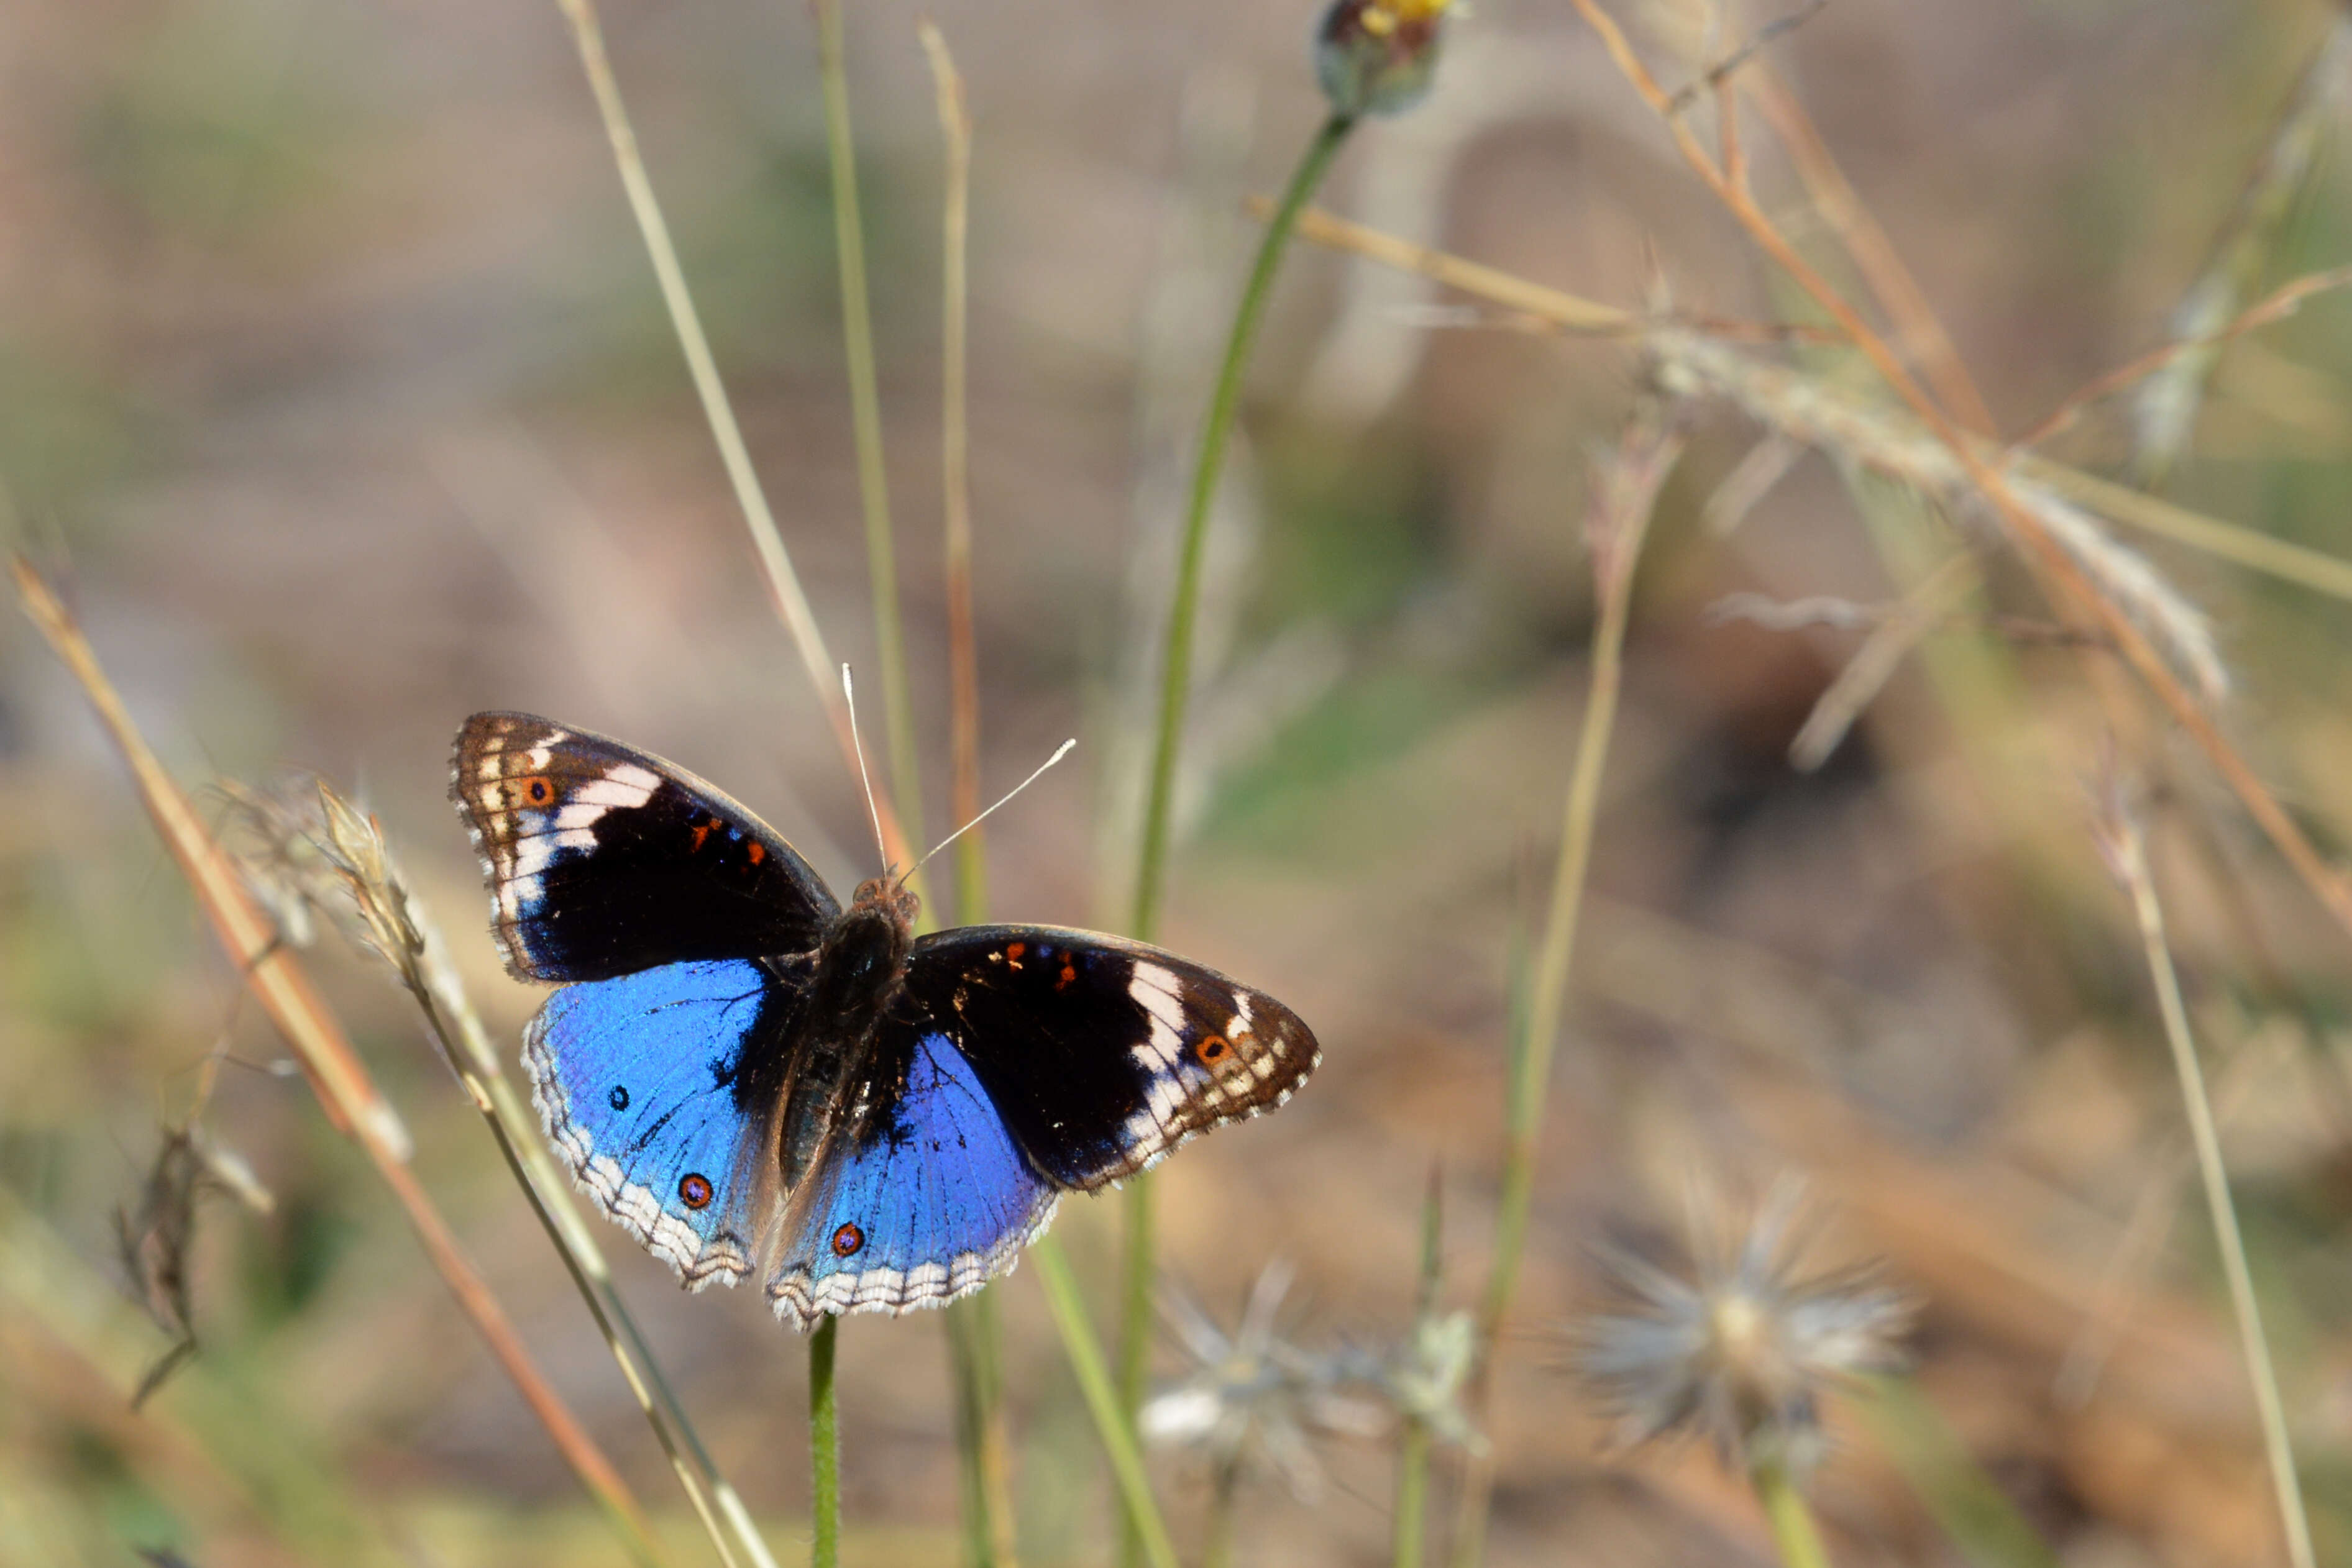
x: 633, y: 1078
x: 926, y: 1203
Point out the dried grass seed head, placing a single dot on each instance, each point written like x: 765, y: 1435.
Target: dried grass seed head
x: 1742, y: 1354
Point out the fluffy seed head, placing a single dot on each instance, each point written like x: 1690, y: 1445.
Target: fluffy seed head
x: 1742, y: 1354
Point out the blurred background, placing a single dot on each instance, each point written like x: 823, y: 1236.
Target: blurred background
x: 335, y: 389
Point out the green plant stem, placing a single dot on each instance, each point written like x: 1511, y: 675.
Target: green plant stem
x: 1217, y: 432
x: 866, y: 417
x: 825, y: 1450
x: 1619, y: 524
x: 1217, y: 1531
x: 1412, y: 1492
x: 1111, y: 1423
x: 1410, y: 1533
x: 1794, y: 1532
x: 2131, y: 857
x: 1175, y: 696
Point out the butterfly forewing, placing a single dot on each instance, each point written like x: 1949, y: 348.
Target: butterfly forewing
x: 604, y: 860
x: 1102, y: 1055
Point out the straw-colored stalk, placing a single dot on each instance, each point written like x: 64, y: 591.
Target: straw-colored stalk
x: 398, y: 929
x: 669, y: 275
x: 2124, y: 849
x: 974, y: 1344
x: 336, y: 1074
x: 1623, y: 500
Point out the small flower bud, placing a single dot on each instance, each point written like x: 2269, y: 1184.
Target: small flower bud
x: 1377, y: 56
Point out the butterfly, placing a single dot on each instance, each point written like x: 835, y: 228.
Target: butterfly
x: 743, y: 1075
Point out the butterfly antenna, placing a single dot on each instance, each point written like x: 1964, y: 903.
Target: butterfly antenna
x: 849, y: 693
x: 1059, y: 752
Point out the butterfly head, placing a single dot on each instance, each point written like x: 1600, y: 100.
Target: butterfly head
x: 888, y: 895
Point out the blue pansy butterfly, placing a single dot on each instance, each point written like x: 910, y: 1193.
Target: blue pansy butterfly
x: 737, y: 1069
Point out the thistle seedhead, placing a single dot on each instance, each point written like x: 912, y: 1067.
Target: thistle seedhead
x: 1422, y: 1376
x: 1252, y: 1395
x: 1742, y: 1355
x: 1378, y: 56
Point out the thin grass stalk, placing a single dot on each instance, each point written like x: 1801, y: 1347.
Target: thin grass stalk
x: 955, y: 482
x: 2126, y: 853
x: 1093, y: 1372
x: 1409, y: 1528
x: 866, y: 420
x: 2239, y: 546
x: 1794, y: 1533
x: 1875, y: 256
x: 2061, y: 578
x: 335, y: 1072
x: 783, y: 582
x: 1624, y: 503
x: 2164, y: 413
x: 401, y: 932
x: 824, y: 1449
x: 593, y: 1281
x: 1175, y: 697
x: 974, y: 1341
x: 1217, y: 1528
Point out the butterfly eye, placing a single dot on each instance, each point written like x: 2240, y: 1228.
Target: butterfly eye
x: 619, y: 1098
x: 694, y: 1191
x: 847, y: 1241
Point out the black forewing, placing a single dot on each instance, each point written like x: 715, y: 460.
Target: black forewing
x: 604, y: 860
x: 1103, y: 1054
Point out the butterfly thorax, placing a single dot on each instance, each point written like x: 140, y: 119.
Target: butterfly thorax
x: 859, y: 969
x: 862, y: 952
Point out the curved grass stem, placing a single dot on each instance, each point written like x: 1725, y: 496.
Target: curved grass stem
x: 1175, y: 696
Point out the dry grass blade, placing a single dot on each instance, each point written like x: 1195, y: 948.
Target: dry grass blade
x: 1875, y: 663
x: 1922, y: 334
x: 2062, y: 576
x: 334, y: 1070
x: 2165, y: 414
x: 2281, y: 304
x: 783, y: 582
x: 365, y: 894
x: 2310, y: 569
x: 2124, y: 849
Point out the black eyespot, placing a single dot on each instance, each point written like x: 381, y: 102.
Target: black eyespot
x: 619, y: 1098
x: 694, y: 1191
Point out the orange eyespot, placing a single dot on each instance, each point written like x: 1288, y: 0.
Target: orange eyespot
x: 1212, y: 1049
x: 695, y: 1190
x: 535, y: 790
x: 847, y: 1241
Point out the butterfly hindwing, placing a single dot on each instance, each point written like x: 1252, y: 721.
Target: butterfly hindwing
x: 638, y: 1080
x: 921, y: 1196
x: 603, y: 859
x: 1100, y: 1054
